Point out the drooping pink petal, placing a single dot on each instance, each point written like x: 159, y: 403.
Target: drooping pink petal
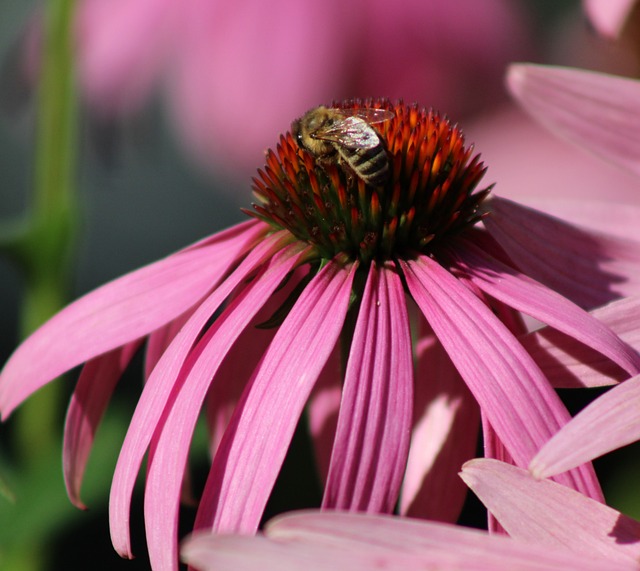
x: 160, y: 339
x: 586, y: 267
x: 619, y: 219
x: 212, y: 552
x: 608, y: 17
x: 235, y: 230
x: 118, y: 313
x: 494, y: 449
x: 160, y: 390
x: 511, y: 390
x: 608, y: 423
x: 86, y: 408
x: 170, y: 448
x: 427, y: 544
x: 570, y: 364
x: 322, y: 413
x: 444, y: 436
x: 548, y: 514
x: 374, y: 424
x: 246, y: 466
x: 238, y: 365
x: 532, y: 298
x: 513, y: 144
x: 597, y: 111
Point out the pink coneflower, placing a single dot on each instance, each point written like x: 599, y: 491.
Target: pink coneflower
x: 313, y: 297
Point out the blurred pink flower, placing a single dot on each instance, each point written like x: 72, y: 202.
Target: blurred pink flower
x: 610, y: 16
x: 324, y: 541
x: 312, y: 302
x: 235, y: 73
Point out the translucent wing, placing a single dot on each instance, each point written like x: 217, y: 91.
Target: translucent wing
x: 353, y: 130
x: 371, y: 116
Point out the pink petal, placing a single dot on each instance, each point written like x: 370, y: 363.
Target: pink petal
x: 444, y: 436
x: 170, y: 448
x: 224, y: 394
x: 608, y: 423
x: 608, y: 17
x: 586, y: 267
x: 118, y: 313
x: 86, y: 408
x: 511, y: 390
x: 548, y: 514
x: 322, y: 413
x: 512, y: 144
x: 159, y: 340
x: 597, y: 111
x: 425, y: 545
x: 246, y: 466
x: 603, y: 217
x: 374, y: 425
x: 532, y: 298
x: 568, y: 363
x: 494, y: 449
x: 213, y: 552
x: 338, y: 551
x: 160, y: 390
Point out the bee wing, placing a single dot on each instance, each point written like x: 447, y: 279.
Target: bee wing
x: 368, y: 114
x: 350, y: 132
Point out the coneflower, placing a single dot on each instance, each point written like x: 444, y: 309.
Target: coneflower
x: 316, y: 296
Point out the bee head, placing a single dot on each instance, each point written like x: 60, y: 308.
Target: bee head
x: 295, y: 131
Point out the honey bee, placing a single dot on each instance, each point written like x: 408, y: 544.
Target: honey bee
x: 345, y: 137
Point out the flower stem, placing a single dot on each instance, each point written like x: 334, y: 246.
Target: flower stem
x: 46, y: 246
x: 43, y: 248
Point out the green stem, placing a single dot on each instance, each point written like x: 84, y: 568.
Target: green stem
x: 46, y: 247
x: 44, y: 250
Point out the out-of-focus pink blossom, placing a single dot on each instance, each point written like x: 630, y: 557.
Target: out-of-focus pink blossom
x: 236, y: 72
x: 608, y: 16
